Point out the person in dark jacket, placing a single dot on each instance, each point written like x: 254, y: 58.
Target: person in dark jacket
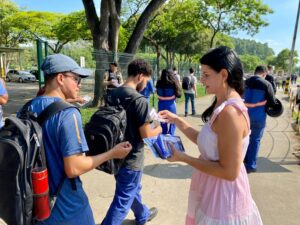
x: 270, y: 78
x: 258, y: 92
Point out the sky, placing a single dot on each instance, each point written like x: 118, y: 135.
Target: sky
x: 278, y: 34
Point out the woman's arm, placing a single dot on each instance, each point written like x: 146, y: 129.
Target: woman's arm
x: 230, y: 127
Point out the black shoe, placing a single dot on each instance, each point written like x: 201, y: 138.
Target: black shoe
x: 185, y: 115
x: 153, y: 213
x: 193, y: 114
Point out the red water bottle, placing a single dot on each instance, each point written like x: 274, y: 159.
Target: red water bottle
x: 41, y: 203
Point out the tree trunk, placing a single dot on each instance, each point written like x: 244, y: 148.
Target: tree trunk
x: 212, y: 39
x: 114, y: 27
x: 138, y: 32
x: 99, y: 30
x: 105, y: 34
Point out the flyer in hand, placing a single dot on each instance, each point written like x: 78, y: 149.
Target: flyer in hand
x: 160, y: 147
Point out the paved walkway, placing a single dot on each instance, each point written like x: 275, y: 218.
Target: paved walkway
x: 275, y: 187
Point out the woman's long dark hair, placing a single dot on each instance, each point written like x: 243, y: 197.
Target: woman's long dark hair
x: 168, y: 80
x: 224, y: 58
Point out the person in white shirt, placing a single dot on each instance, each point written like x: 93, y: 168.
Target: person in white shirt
x: 177, y: 76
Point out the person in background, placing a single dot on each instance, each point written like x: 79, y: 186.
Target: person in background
x: 270, y: 77
x: 190, y: 93
x: 219, y: 191
x: 177, y: 76
x: 148, y: 90
x: 65, y: 143
x: 113, y: 78
x: 3, y: 99
x: 128, y: 180
x: 258, y: 91
x: 168, y: 90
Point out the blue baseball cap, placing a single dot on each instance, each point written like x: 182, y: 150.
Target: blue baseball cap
x: 58, y: 63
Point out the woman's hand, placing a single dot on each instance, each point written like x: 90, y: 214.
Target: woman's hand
x: 176, y: 154
x: 168, y: 116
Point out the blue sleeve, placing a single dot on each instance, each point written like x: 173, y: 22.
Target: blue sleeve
x: 3, y: 90
x: 71, y: 136
x: 151, y: 86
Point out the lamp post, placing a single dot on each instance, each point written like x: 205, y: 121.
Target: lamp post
x: 294, y: 41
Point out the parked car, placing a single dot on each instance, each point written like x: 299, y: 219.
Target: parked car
x: 20, y: 76
x: 35, y: 73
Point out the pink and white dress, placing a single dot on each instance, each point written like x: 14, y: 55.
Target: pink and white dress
x: 215, y: 201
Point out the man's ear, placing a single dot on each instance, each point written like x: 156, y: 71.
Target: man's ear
x: 140, y: 76
x: 59, y: 78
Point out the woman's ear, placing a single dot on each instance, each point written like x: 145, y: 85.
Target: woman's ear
x: 224, y: 74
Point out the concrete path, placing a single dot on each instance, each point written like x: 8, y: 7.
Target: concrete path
x: 275, y: 186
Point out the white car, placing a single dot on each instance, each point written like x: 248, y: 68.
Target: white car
x: 20, y: 76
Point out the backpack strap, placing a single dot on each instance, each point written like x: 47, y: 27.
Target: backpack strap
x: 46, y: 114
x: 52, y: 109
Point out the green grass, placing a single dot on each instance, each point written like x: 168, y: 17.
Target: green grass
x: 86, y: 113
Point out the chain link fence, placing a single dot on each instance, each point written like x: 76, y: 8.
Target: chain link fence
x: 103, y: 59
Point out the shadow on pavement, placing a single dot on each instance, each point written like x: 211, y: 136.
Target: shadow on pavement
x: 265, y: 165
x: 169, y: 171
x: 287, y: 99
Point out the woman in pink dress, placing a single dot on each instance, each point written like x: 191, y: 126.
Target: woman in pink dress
x: 219, y: 192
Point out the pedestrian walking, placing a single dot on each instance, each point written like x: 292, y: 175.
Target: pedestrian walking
x: 258, y: 92
x: 128, y: 180
x: 219, y: 191
x: 167, y: 91
x: 270, y: 77
x: 189, y: 86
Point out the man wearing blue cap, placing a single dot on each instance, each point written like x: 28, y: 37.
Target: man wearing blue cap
x: 65, y: 143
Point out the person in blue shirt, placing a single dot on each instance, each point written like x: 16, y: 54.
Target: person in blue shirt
x: 258, y: 92
x: 65, y: 143
x: 168, y: 90
x: 148, y: 90
x: 3, y: 99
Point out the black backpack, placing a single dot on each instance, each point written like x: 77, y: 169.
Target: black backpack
x: 187, y: 83
x: 21, y: 150
x: 105, y: 129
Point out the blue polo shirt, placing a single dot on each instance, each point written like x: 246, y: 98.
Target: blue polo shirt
x: 148, y: 90
x: 257, y: 90
x: 3, y: 91
x: 63, y: 136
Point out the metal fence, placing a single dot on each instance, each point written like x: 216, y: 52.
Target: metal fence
x: 123, y: 59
